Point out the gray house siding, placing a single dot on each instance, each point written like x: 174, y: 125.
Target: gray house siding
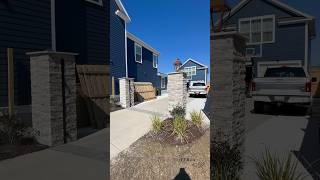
x: 117, y: 46
x: 142, y: 72
x: 24, y: 26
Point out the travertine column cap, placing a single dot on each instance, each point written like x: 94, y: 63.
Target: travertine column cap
x: 126, y: 78
x: 54, y: 53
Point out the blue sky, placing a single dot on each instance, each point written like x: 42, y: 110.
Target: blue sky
x: 176, y: 28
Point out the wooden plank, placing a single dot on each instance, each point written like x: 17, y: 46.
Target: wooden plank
x: 10, y: 82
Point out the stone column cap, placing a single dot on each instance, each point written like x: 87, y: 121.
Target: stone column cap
x: 172, y: 73
x: 126, y: 78
x: 38, y: 53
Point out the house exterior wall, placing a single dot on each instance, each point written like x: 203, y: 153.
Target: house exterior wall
x: 25, y: 26
x: 117, y: 46
x: 285, y: 48
x: 201, y: 73
x: 141, y: 72
x: 81, y: 27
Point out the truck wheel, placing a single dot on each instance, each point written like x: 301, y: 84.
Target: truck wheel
x: 258, y: 107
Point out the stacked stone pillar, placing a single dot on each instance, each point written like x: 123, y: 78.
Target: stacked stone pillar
x: 126, y: 92
x: 177, y: 90
x: 226, y: 101
x: 53, y: 90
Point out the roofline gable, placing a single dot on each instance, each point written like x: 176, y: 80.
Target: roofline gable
x: 122, y: 13
x: 204, y: 66
x: 142, y: 43
x: 277, y: 3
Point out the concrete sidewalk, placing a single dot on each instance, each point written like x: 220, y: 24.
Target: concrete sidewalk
x: 128, y: 125
x: 81, y: 160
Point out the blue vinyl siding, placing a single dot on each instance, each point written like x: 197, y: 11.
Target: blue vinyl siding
x: 25, y: 26
x: 285, y: 47
x: 141, y: 72
x: 117, y: 46
x: 200, y: 74
x: 81, y: 27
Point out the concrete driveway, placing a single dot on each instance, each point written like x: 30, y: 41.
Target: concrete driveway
x: 283, y: 131
x: 128, y: 125
x: 84, y: 159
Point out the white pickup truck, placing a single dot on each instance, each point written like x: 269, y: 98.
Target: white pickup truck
x: 197, y: 88
x: 281, y: 85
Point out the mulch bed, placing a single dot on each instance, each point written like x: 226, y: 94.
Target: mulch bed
x: 166, y: 136
x: 10, y: 151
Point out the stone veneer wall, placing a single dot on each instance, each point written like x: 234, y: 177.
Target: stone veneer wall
x: 226, y: 101
x: 48, y: 110
x: 126, y: 92
x: 177, y: 90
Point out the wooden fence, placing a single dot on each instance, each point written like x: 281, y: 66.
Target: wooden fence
x: 144, y: 91
x: 94, y: 85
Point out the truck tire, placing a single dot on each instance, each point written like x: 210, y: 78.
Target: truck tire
x: 258, y: 106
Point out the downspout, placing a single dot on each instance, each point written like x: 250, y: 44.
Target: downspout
x: 126, y: 51
x: 53, y: 26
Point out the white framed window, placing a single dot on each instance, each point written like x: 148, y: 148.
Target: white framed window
x: 98, y: 2
x: 155, y: 61
x: 258, y: 30
x: 190, y: 71
x: 163, y: 82
x: 138, y: 53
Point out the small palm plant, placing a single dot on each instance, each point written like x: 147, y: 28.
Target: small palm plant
x: 156, y: 124
x: 272, y: 167
x: 180, y: 126
x: 196, y: 118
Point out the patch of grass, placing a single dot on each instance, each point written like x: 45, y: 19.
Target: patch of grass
x: 180, y: 126
x: 272, y: 167
x: 156, y: 124
x: 196, y: 118
x: 178, y: 111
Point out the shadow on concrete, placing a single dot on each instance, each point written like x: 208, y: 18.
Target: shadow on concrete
x: 284, y: 110
x: 309, y: 152
x: 182, y: 175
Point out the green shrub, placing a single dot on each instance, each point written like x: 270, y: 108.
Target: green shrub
x: 156, y: 124
x: 272, y: 167
x: 11, y: 129
x: 226, y: 162
x: 196, y: 118
x: 180, y: 126
x: 178, y: 111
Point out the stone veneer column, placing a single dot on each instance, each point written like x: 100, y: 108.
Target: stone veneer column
x: 126, y: 92
x: 53, y: 107
x: 177, y: 90
x: 226, y: 102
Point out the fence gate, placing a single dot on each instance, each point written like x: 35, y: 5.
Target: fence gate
x: 94, y: 86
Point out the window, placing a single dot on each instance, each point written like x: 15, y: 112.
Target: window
x: 190, y: 71
x: 155, y: 61
x: 99, y: 2
x: 258, y: 29
x: 250, y: 52
x: 163, y: 82
x: 138, y: 53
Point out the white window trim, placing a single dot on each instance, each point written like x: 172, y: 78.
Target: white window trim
x: 154, y: 55
x: 191, y: 67
x: 261, y: 24
x: 135, y: 52
x: 163, y: 82
x: 95, y: 2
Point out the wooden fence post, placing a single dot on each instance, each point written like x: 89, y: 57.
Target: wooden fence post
x: 113, y: 88
x: 10, y: 82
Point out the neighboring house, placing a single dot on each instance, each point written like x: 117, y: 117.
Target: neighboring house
x: 129, y: 56
x: 195, y: 71
x: 77, y: 26
x: 163, y: 81
x: 276, y: 33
